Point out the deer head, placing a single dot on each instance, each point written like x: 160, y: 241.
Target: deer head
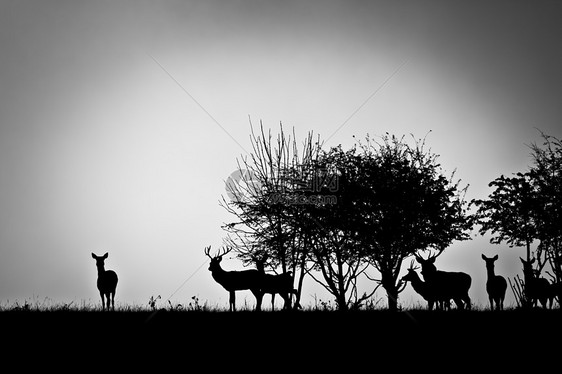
x: 100, y: 260
x: 489, y: 260
x: 428, y: 265
x: 412, y: 275
x: 528, y: 268
x: 215, y: 260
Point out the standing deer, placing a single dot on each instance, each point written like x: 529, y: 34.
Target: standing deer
x: 446, y: 285
x: 495, y: 285
x: 424, y: 289
x: 536, y: 288
x: 281, y: 284
x: 107, y: 281
x: 233, y: 281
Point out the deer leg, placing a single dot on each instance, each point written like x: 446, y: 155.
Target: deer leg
x: 259, y: 296
x: 232, y: 301
x: 113, y: 301
x: 102, y: 301
x: 272, y: 302
x: 287, y: 297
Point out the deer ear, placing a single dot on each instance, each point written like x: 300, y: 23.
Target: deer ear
x: 418, y: 258
x: 483, y: 257
x: 105, y: 255
x: 496, y: 257
x: 94, y: 256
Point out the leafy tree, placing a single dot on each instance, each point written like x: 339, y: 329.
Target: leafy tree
x: 509, y: 213
x: 528, y: 207
x: 546, y: 175
x: 409, y: 205
x: 392, y: 201
x: 336, y: 251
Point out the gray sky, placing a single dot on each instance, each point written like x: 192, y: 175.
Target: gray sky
x: 102, y: 149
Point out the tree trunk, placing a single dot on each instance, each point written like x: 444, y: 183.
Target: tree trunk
x: 341, y: 302
x: 389, y: 285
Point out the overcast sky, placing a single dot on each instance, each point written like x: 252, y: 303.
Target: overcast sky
x: 121, y: 120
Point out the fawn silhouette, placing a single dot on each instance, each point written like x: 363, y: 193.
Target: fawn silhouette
x: 447, y: 285
x: 281, y: 284
x: 536, y: 288
x: 424, y: 289
x: 495, y: 285
x: 107, y: 282
x: 233, y: 281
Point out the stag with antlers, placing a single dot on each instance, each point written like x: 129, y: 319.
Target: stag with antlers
x: 446, y: 285
x: 424, y: 289
x: 233, y: 281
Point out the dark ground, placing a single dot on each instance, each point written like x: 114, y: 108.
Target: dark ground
x: 300, y: 341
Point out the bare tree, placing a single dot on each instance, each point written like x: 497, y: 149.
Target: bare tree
x: 264, y: 200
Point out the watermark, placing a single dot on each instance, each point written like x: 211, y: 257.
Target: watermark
x: 286, y: 188
x: 301, y: 199
x: 241, y: 185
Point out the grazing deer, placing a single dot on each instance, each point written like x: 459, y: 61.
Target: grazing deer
x: 536, y: 288
x: 281, y: 284
x: 446, y: 285
x: 495, y: 285
x: 107, y: 281
x: 424, y: 289
x: 233, y: 281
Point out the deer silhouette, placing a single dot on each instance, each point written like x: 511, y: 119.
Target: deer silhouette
x: 495, y: 284
x: 107, y: 281
x: 536, y: 288
x: 446, y: 285
x: 424, y: 289
x: 273, y: 284
x: 233, y: 281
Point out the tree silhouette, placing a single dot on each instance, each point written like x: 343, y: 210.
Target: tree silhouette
x: 341, y: 212
x: 528, y: 207
x: 269, y: 223
x: 546, y: 175
x: 509, y: 212
x: 392, y: 201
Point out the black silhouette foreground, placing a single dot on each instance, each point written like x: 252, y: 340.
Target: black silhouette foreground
x: 446, y: 285
x: 496, y: 285
x: 107, y: 282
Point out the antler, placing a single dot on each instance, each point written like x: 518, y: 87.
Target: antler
x: 431, y: 255
x: 218, y: 255
x: 223, y: 252
x: 412, y: 267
